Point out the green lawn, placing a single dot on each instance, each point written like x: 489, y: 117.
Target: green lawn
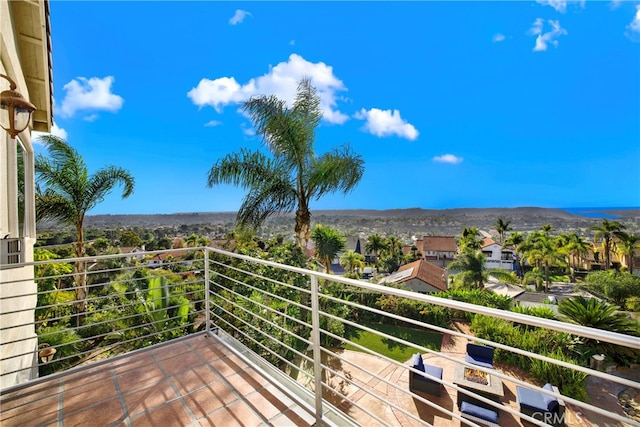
x: 393, y: 350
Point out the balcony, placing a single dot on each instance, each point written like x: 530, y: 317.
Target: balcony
x: 259, y: 339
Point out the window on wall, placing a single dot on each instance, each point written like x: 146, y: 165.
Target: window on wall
x: 20, y: 169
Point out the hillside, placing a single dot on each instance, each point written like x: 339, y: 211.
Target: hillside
x: 400, y: 222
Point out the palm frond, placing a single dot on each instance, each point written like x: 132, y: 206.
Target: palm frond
x: 339, y: 170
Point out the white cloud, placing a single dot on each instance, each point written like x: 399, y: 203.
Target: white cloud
x: 448, y: 158
x: 89, y: 94
x: 90, y: 118
x: 559, y: 5
x: 281, y: 81
x: 55, y: 131
x: 543, y: 40
x: 633, y: 29
x: 213, y: 123
x: 386, y: 123
x: 239, y: 16
x: 498, y: 38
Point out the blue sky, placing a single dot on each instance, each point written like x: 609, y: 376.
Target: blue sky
x: 451, y: 104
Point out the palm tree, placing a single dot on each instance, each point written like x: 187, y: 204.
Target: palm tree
x: 627, y: 246
x: 351, y: 261
x: 516, y: 239
x: 540, y: 249
x: 471, y: 265
x: 294, y: 175
x: 598, y: 314
x: 502, y: 227
x: 329, y: 243
x: 70, y: 192
x: 607, y: 231
x: 574, y: 247
x: 375, y: 244
x: 469, y: 239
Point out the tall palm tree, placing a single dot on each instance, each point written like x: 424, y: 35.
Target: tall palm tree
x: 329, y: 243
x: 541, y: 250
x: 471, y: 265
x: 627, y: 246
x: 574, y: 247
x: 375, y: 244
x: 351, y: 260
x: 502, y: 227
x: 469, y: 239
x: 515, y: 240
x: 293, y: 175
x: 607, y: 231
x: 70, y: 192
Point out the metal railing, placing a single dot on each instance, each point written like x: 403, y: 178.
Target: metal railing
x: 294, y: 319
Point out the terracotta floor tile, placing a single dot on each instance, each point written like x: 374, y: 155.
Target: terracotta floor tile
x: 87, y: 394
x: 291, y: 418
x: 212, y: 352
x: 87, y: 375
x: 171, y: 414
x: 206, y: 400
x: 29, y: 396
x: 236, y: 415
x: 264, y: 403
x: 194, y: 379
x: 102, y: 414
x: 139, y: 361
x: 30, y: 413
x: 228, y: 365
x: 181, y: 363
x: 170, y: 350
x: 139, y: 378
x: 150, y: 397
x: 246, y: 382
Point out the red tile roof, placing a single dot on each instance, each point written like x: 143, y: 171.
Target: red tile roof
x: 426, y: 272
x: 438, y: 244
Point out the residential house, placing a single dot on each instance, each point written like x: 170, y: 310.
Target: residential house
x: 497, y: 256
x: 438, y: 250
x: 25, y: 58
x: 419, y: 276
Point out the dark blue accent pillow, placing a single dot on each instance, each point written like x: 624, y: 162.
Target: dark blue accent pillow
x: 418, y: 362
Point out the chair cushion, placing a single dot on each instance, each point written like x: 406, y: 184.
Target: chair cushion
x: 552, y: 402
x: 536, y: 401
x: 476, y: 411
x: 434, y: 371
x: 478, y: 361
x: 417, y: 362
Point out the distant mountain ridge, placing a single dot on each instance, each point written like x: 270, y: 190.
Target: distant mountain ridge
x: 189, y: 218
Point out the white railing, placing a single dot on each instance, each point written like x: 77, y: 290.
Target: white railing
x: 291, y: 317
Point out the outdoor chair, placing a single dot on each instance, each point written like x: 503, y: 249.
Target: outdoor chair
x: 480, y: 355
x: 418, y: 382
x: 483, y: 416
x: 541, y: 406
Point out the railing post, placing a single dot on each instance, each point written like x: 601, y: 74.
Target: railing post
x: 205, y: 283
x: 317, y: 355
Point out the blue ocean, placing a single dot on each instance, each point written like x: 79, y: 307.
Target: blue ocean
x: 597, y: 212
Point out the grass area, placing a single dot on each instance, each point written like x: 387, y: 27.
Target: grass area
x: 393, y: 350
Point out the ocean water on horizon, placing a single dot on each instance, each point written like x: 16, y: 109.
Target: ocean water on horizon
x: 597, y: 212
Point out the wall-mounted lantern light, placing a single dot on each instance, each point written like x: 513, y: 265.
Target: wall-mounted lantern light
x: 15, y: 111
x: 46, y: 352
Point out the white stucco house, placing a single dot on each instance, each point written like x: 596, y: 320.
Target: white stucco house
x: 25, y: 59
x: 498, y: 257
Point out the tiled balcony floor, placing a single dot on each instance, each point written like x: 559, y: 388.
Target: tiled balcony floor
x: 196, y: 381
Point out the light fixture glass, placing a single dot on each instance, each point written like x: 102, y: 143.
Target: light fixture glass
x: 15, y: 111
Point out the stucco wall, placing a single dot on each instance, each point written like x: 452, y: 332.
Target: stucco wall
x: 18, y: 342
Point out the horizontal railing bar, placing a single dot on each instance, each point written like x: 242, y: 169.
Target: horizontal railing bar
x: 300, y: 322
x: 584, y: 331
